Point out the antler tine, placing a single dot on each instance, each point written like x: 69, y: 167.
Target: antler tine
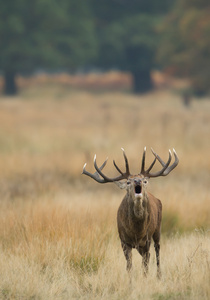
x: 107, y: 179
x: 143, y: 164
x: 118, y: 169
x: 151, y: 166
x: 127, y: 172
x: 164, y: 171
x: 165, y: 166
x: 169, y: 169
x: 158, y: 157
x: 95, y: 176
x: 143, y: 161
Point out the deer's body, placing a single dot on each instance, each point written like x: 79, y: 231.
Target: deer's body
x: 136, y: 230
x: 139, y: 215
x: 138, y: 225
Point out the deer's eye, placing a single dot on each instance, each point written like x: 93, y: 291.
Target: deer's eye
x: 145, y: 181
x: 128, y: 182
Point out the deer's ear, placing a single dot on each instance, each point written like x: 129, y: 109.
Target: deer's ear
x: 121, y: 185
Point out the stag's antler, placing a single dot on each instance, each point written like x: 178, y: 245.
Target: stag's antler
x: 105, y: 179
x: 164, y: 171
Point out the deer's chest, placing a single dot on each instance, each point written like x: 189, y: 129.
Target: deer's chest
x: 136, y: 237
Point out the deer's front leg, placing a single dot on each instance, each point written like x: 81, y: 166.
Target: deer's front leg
x: 145, y: 261
x: 144, y: 251
x: 128, y: 255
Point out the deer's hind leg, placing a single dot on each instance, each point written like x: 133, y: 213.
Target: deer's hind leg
x: 128, y: 255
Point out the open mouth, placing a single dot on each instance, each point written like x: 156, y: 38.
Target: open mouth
x: 138, y: 189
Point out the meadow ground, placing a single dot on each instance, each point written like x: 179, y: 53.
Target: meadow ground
x: 58, y: 235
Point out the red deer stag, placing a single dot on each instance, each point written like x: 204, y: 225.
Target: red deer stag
x: 139, y: 215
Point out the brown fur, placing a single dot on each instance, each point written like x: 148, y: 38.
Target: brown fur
x: 137, y: 227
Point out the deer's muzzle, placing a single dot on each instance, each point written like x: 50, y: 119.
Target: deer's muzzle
x: 138, y: 189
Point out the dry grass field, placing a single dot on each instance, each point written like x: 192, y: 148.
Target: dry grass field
x: 58, y: 234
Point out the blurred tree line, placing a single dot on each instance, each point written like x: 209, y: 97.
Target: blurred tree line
x: 185, y: 44
x: 129, y: 35
x: 44, y: 34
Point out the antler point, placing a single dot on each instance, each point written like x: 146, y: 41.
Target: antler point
x: 153, y: 151
x: 122, y: 149
x: 84, y: 168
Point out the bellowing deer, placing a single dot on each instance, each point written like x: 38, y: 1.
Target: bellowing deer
x: 139, y: 215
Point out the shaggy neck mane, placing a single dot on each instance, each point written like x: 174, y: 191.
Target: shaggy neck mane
x: 139, y: 209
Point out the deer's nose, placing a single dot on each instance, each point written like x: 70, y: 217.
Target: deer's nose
x: 137, y: 181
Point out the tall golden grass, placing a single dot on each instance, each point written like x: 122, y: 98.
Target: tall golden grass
x: 58, y: 236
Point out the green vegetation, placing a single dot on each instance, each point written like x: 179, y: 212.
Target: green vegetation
x: 128, y: 37
x: 132, y: 36
x: 185, y: 48
x: 44, y: 35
